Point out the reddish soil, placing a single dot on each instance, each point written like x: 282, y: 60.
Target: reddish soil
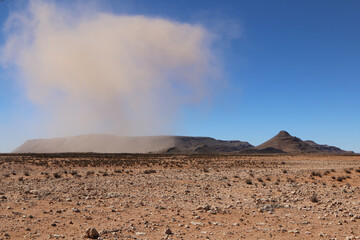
x: 135, y: 196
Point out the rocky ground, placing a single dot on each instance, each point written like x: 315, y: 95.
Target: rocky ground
x: 61, y: 196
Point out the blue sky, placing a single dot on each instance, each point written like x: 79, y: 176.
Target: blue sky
x: 288, y: 65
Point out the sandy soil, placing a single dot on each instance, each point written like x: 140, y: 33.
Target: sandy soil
x: 60, y: 196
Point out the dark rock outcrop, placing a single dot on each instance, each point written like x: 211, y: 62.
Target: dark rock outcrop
x: 283, y: 141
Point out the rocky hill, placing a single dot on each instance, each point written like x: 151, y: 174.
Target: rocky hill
x: 206, y: 145
x: 281, y: 143
x: 284, y: 142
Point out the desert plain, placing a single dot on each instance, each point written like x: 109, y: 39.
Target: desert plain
x: 175, y: 196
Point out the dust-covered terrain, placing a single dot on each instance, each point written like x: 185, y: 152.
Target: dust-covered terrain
x: 163, y: 196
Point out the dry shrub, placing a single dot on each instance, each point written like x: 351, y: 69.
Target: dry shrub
x: 149, y: 171
x: 340, y: 178
x: 314, y: 198
x: 248, y: 181
x: 316, y: 174
x: 57, y: 175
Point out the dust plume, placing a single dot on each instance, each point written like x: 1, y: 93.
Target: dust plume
x: 98, y: 72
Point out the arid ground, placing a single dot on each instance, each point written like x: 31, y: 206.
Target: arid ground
x: 137, y: 196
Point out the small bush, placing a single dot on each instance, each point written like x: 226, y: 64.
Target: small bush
x: 260, y: 180
x: 248, y: 181
x: 316, y: 174
x: 149, y: 171
x: 118, y: 171
x: 57, y: 175
x: 88, y: 173
x: 73, y: 172
x: 284, y: 171
x: 347, y: 171
x: 340, y: 178
x: 21, y: 179
x: 314, y: 198
x: 26, y: 173
x: 333, y: 170
x: 291, y: 180
x: 6, y: 175
x: 357, y: 170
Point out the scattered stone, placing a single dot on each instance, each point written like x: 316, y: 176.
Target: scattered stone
x: 75, y: 210
x: 92, y: 233
x: 141, y: 206
x: 197, y: 223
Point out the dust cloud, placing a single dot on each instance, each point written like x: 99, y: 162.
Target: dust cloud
x: 98, y: 72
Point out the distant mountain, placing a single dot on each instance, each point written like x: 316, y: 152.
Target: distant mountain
x: 100, y: 143
x: 326, y: 148
x: 283, y: 141
x: 206, y: 145
x: 115, y: 144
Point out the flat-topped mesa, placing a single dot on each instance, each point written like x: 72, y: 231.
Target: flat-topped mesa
x: 101, y: 143
x: 206, y: 145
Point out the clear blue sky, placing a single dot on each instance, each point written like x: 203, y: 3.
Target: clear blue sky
x: 295, y: 66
